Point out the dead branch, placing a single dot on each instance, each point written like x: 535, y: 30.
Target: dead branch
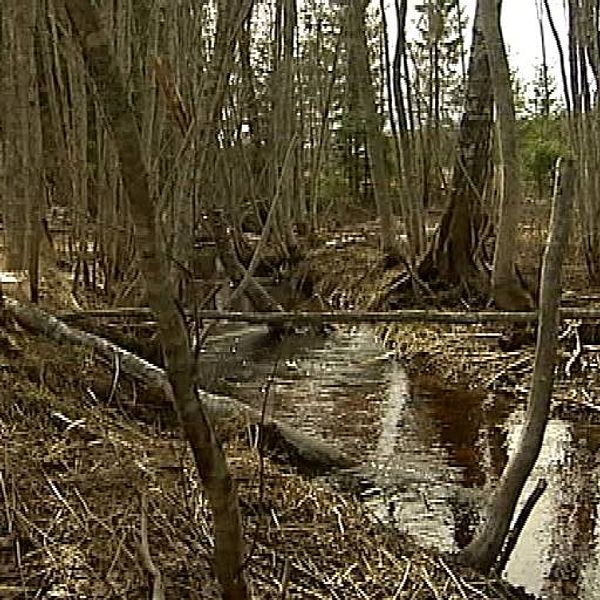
x: 515, y: 532
x: 348, y: 316
x: 158, y: 590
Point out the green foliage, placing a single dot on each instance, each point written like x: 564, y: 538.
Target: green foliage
x: 541, y: 144
x: 541, y: 128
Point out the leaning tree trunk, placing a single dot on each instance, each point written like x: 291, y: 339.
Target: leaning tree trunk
x: 452, y: 258
x: 209, y: 457
x: 504, y: 277
x: 482, y: 552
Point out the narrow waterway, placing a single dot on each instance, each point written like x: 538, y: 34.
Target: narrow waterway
x: 431, y: 453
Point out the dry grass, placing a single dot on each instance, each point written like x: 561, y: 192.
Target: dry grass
x: 78, y: 478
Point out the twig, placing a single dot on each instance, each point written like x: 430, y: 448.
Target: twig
x: 455, y: 580
x: 338, y: 514
x: 158, y: 591
x: 511, y: 367
x: 474, y: 590
x: 9, y: 520
x: 429, y: 583
x: 285, y: 579
x: 64, y: 502
x: 115, y: 380
x: 588, y: 402
x: 261, y: 457
x: 403, y: 582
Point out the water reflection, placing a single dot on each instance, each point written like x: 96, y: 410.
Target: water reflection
x: 435, y: 453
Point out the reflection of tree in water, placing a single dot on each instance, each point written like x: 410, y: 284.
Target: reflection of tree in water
x: 573, y: 541
x: 465, y: 513
x: 496, y: 410
x: 472, y: 431
x: 330, y: 387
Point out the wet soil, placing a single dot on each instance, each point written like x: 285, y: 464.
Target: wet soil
x: 79, y: 476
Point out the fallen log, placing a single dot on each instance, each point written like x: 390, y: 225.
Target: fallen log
x: 305, y: 449
x: 349, y: 316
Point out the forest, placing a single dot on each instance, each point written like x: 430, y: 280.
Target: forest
x: 298, y: 300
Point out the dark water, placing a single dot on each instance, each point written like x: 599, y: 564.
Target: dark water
x: 432, y: 453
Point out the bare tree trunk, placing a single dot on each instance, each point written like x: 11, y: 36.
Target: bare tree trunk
x: 17, y: 37
x: 21, y: 125
x: 412, y: 192
x: 485, y: 548
x: 511, y: 197
x: 358, y: 54
x: 584, y: 128
x: 35, y: 145
x: 452, y: 258
x: 209, y: 457
x: 283, y: 122
x: 318, y: 148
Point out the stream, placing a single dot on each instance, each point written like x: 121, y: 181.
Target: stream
x: 430, y: 453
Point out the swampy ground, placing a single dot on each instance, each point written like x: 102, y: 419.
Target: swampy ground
x: 89, y: 463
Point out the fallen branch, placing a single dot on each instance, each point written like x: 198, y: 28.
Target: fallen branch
x: 308, y: 450
x: 38, y: 321
x: 348, y: 316
x: 158, y: 589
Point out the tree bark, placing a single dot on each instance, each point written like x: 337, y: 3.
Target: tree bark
x: 511, y: 196
x: 359, y: 55
x: 414, y: 213
x: 208, y: 455
x: 452, y: 257
x: 347, y: 316
x: 482, y: 552
x: 283, y: 122
x: 20, y: 125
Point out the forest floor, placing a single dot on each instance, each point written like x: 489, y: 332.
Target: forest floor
x: 84, y: 484
x: 81, y: 480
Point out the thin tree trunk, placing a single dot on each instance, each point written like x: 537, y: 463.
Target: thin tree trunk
x: 561, y: 58
x: 17, y: 39
x: 482, y: 552
x: 259, y: 297
x: 503, y: 273
x: 209, y: 457
x: 414, y: 210
x: 376, y: 144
